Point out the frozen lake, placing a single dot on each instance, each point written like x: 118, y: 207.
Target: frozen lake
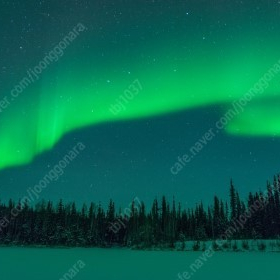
x: 122, y: 264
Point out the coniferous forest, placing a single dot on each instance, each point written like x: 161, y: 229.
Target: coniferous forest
x: 165, y: 223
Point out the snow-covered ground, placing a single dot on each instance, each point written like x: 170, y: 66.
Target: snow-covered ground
x: 123, y: 264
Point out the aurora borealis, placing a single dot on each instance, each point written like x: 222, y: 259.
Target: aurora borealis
x: 186, y: 58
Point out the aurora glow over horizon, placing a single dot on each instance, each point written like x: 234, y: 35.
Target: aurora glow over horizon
x: 188, y: 57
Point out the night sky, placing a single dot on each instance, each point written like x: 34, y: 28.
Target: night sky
x: 183, y: 64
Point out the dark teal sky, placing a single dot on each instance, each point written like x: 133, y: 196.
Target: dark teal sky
x: 193, y: 58
x: 130, y: 159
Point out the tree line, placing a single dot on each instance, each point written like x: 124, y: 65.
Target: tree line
x: 257, y: 217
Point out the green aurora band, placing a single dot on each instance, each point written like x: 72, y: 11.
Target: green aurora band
x: 75, y: 93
